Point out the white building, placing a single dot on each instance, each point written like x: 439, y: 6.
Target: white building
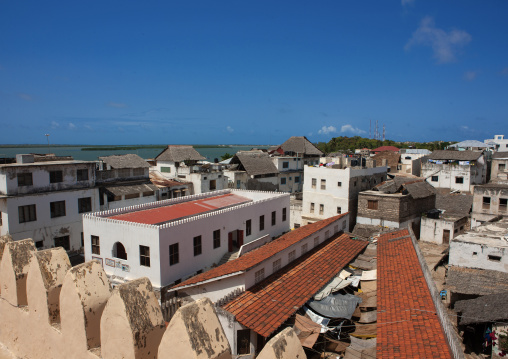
x: 253, y: 170
x: 260, y: 291
x: 457, y: 170
x: 328, y: 191
x: 410, y: 159
x: 499, y: 142
x: 171, y: 240
x: 45, y: 200
x: 183, y: 162
x: 484, y: 247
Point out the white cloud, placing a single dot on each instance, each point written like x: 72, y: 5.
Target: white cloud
x: 349, y: 128
x: 54, y: 124
x: 407, y: 2
x: 230, y: 129
x: 470, y: 75
x: 504, y: 71
x: 325, y: 130
x: 25, y: 96
x: 444, y: 44
x: 71, y: 126
x: 117, y: 104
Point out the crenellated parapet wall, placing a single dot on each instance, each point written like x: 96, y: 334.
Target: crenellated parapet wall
x: 49, y: 309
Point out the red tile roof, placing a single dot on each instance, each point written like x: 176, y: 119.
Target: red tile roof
x: 267, y: 305
x: 181, y: 210
x: 386, y: 148
x: 262, y: 253
x: 407, y: 323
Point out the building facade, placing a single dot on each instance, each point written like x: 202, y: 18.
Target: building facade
x: 489, y: 201
x: 499, y: 167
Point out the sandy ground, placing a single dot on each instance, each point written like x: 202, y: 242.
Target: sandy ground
x: 4, y: 353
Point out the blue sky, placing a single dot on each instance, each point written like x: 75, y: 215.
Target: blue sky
x: 257, y: 72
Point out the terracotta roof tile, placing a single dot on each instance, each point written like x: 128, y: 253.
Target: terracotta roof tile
x: 408, y: 326
x: 267, y: 305
x: 262, y: 253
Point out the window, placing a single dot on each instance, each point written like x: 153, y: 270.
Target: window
x: 321, y: 208
x: 248, y: 227
x: 124, y: 172
x: 0, y: 218
x: 494, y: 258
x: 459, y: 179
x: 132, y: 195
x: 434, y: 178
x: 216, y: 239
x: 96, y: 245
x: 84, y: 204
x: 372, y: 204
x: 316, y: 241
x: 82, y: 174
x: 339, y: 210
x: 297, y: 225
x: 283, y: 180
x: 276, y: 265
x: 323, y: 184
x: 284, y: 214
x: 354, y: 183
x: 165, y: 169
x: 327, y: 234
x: 25, y: 179
x: 297, y: 179
x: 314, y: 181
x: 197, y: 246
x: 55, y: 176
x: 138, y: 172
x: 27, y: 213
x: 39, y: 244
x: 243, y: 341
x: 486, y: 203
x: 502, y: 204
x: 501, y: 167
x: 285, y: 164
x: 57, y: 209
x: 274, y: 218
x: 344, y: 225
x: 63, y: 242
x: 148, y: 193
x: 174, y: 257
x: 291, y: 256
x: 259, y: 275
x: 238, y: 184
x: 144, y: 256
x: 304, y: 248
x: 339, y: 184
x: 261, y: 223
x: 119, y: 251
x: 312, y: 208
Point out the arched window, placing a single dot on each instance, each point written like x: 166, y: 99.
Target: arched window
x: 119, y: 251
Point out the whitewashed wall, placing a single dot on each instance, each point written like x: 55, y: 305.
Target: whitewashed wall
x: 462, y: 254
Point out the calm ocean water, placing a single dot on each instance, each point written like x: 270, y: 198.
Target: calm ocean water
x: 209, y: 152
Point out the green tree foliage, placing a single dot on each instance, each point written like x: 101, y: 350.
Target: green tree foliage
x: 225, y: 156
x: 350, y: 144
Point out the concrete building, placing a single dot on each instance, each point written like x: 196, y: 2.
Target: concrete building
x: 332, y: 190
x: 470, y: 145
x: 489, y: 201
x: 254, y: 170
x: 123, y: 180
x: 499, y: 167
x: 287, y: 269
x: 499, y: 142
x: 484, y: 247
x: 457, y: 170
x: 398, y: 203
x: 169, y: 241
x: 184, y: 162
x: 411, y: 160
x: 44, y: 197
x: 389, y: 159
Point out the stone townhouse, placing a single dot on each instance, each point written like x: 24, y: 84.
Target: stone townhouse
x: 489, y: 201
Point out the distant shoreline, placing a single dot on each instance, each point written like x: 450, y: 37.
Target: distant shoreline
x: 123, y: 147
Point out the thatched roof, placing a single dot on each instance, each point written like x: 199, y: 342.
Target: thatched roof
x: 420, y: 189
x: 179, y: 153
x: 476, y: 281
x: 454, y: 155
x: 484, y: 309
x: 300, y: 145
x: 500, y: 155
x: 255, y: 163
x: 458, y: 204
x: 125, y: 161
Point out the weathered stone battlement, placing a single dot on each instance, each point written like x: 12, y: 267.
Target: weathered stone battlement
x: 52, y: 310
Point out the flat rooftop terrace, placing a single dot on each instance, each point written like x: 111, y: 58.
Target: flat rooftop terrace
x: 173, y: 212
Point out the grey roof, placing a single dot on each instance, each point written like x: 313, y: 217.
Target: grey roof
x: 125, y: 161
x: 476, y: 281
x: 395, y: 184
x: 455, y: 155
x: 255, y: 163
x: 420, y: 189
x: 416, y: 151
x: 484, y: 309
x: 499, y: 155
x: 179, y: 153
x: 300, y: 145
x: 471, y: 143
x: 454, y: 204
x: 131, y: 189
